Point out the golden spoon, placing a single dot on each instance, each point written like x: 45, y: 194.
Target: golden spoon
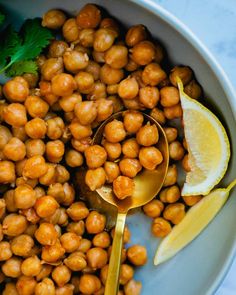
x: 147, y: 185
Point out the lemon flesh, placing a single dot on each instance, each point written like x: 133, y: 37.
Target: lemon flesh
x: 208, y: 146
x: 196, y: 219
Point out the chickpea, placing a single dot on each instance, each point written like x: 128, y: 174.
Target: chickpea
x: 16, y: 89
x: 25, y: 285
x: 63, y: 84
x: 99, y: 57
x: 14, y: 150
x: 36, y: 106
x: 114, y: 131
x: 185, y: 144
x: 81, y: 145
x: 53, y: 19
x: 46, y: 270
x: 24, y: 196
x: 14, y: 225
x: 116, y: 56
x: 19, y: 132
x: 78, y: 211
x: 46, y: 92
x: 85, y: 82
x: 51, y: 68
x: 70, y: 31
x: 36, y: 128
x: 7, y: 172
x: 39, y: 191
x: 112, y: 89
x: 46, y: 234
x: 40, y: 60
x: 193, y: 89
x: 130, y: 148
x: 80, y: 131
x: 46, y: 206
x: 55, y: 150
x: 104, y: 39
x: 95, y: 156
x: 131, y: 66
x: 62, y: 174
x: 31, y: 266
x: 161, y: 227
x: 153, y: 74
x: 2, y: 211
x: 104, y: 109
x: 95, y: 222
x: 173, y: 112
x: 97, y: 257
x: 135, y: 35
x: 158, y: 115
x: 110, y: 76
x: 22, y: 245
x: 153, y: 208
x: 113, y: 150
x: 170, y: 194
x: 147, y: 135
x: 126, y: 273
x: 169, y: 96
x: 109, y: 23
x: 150, y: 157
x: 184, y: 73
x: 15, y: 114
x: 74, y: 158
x: 171, y: 176
x: 133, y: 121
x: 123, y: 187
x: 52, y: 253
x: 5, y: 136
x: 86, y: 112
x: 86, y: 39
x: 50, y: 176
x: 128, y: 88
x: 176, y: 150
x: 143, y: 53
x: 5, y: 251
x: 174, y: 212
x: 57, y: 47
x: 126, y: 235
x: 137, y: 255
x: 85, y: 245
x: 130, y: 167
x: 95, y: 178
x: 76, y: 227
x: 31, y: 216
x: 9, y: 200
x: 10, y: 289
x: 45, y: 287
x: 12, y: 267
x: 192, y: 200
x: 67, y: 289
x: 149, y: 96
x: 61, y: 275
x: 94, y: 69
x: 102, y: 240
x: 55, y: 128
x: 112, y: 171
x: 138, y: 76
x: 89, y: 284
x: 89, y: 16
x: 70, y: 241
x: 34, y: 167
x: 75, y: 60
x: 171, y: 133
x: 76, y: 261
x: 67, y: 103
x: 185, y: 163
x: 132, y: 288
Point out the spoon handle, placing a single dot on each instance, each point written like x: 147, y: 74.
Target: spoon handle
x: 112, y: 283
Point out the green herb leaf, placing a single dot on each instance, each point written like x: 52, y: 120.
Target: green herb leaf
x: 21, y: 67
x: 2, y: 17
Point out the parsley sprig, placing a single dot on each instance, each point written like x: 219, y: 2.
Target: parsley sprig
x: 19, y: 49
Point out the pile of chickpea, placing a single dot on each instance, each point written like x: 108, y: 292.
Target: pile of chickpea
x: 51, y: 243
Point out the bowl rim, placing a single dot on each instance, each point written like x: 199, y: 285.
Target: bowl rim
x: 223, y: 80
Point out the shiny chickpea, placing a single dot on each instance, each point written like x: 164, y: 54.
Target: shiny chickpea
x: 135, y: 35
x: 46, y: 270
x: 81, y: 145
x: 36, y: 128
x: 117, y: 56
x: 113, y: 150
x: 169, y: 96
x: 10, y: 289
x: 57, y: 48
x: 24, y: 196
x: 89, y: 16
x: 112, y: 89
x: 50, y: 176
x: 14, y: 225
x: 67, y: 103
x: 161, y: 227
x: 12, y: 267
x: 97, y: 91
x: 85, y: 82
x: 123, y: 187
x: 31, y: 216
x: 5, y: 251
x: 158, y: 115
x: 130, y: 148
x: 36, y: 107
x: 153, y: 208
x: 34, y: 167
x: 53, y: 253
x: 171, y: 133
x: 63, y: 84
x: 104, y: 39
x: 170, y: 194
x: 22, y: 245
x: 114, y: 131
x: 75, y: 60
x: 176, y: 150
x: 95, y: 156
x: 99, y: 57
x: 130, y: 167
x: 19, y: 132
x: 46, y: 234
x: 185, y: 163
x: 174, y: 212
x: 112, y: 171
x: 46, y: 206
x: 73, y: 158
x: 133, y: 121
x: 137, y: 255
x: 150, y: 157
x: 61, y: 275
x: 131, y: 65
x: 77, y: 211
x: 110, y: 23
x: 147, y: 135
x: 89, y: 284
x: 16, y: 89
x: 67, y: 289
x: 31, y: 266
x: 15, y: 115
x: 7, y: 172
x: 5, y: 136
x: 14, y: 150
x: 94, y: 69
x: 76, y: 227
x: 126, y: 273
x: 70, y: 241
x: 193, y: 89
x: 95, y: 222
x: 102, y: 240
x: 104, y: 109
x: 85, y: 245
x: 95, y: 178
x: 53, y: 19
x: 133, y: 288
x: 128, y: 88
x: 86, y: 112
x: 143, y: 53
x: 171, y: 176
x: 173, y: 112
x: 55, y: 150
x: 192, y: 200
x: 25, y: 285
x: 55, y: 128
x: 153, y: 74
x: 70, y: 31
x: 52, y: 67
x: 79, y: 131
x: 149, y: 96
x: 184, y: 73
x: 86, y: 39
x: 76, y: 261
x: 46, y: 92
x: 62, y: 174
x: 110, y: 76
x: 97, y: 257
x: 45, y: 287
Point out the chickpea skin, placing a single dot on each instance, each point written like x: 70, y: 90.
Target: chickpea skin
x: 14, y: 225
x: 89, y: 284
x: 123, y: 187
x: 112, y: 171
x: 15, y: 114
x: 16, y: 89
x: 34, y: 167
x: 171, y: 176
x: 46, y: 206
x: 150, y: 157
x: 95, y: 156
x: 46, y: 286
x: 147, y: 135
x: 149, y: 96
x: 46, y: 234
x: 130, y: 167
x: 143, y: 53
x: 95, y: 178
x: 176, y: 150
x: 169, y: 96
x: 31, y: 266
x: 76, y: 261
x: 36, y: 106
x: 24, y: 196
x: 95, y: 222
x: 153, y: 208
x: 128, y: 88
x: 113, y: 150
x: 89, y: 17
x: 61, y: 275
x: 114, y: 131
x: 14, y: 150
x: 70, y: 30
x: 116, y: 56
x: 137, y: 255
x: 170, y: 194
x: 36, y: 128
x: 135, y: 35
x: 12, y: 267
x: 86, y: 112
x: 174, y: 212
x: 153, y: 74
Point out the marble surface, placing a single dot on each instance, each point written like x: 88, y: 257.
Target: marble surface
x: 214, y: 23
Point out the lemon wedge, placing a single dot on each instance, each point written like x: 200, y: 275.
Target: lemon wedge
x: 208, y: 146
x: 196, y: 219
